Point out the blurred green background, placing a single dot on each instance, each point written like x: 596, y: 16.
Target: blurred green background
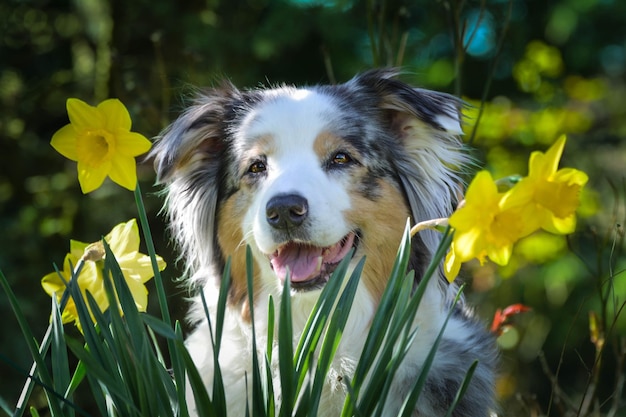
x: 544, y: 68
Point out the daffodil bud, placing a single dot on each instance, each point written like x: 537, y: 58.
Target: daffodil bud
x: 94, y: 252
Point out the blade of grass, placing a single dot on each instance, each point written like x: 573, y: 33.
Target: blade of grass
x: 466, y: 381
x: 43, y: 348
x: 222, y: 301
x: 317, y: 320
x: 4, y: 406
x: 389, y: 354
x: 380, y: 325
x: 44, y: 375
x: 393, y: 350
x: 175, y: 359
x: 285, y: 351
x: 270, y: 329
x: 60, y: 363
x: 332, y: 336
x: 147, y: 235
x: 219, y: 394
x: 77, y: 377
x: 259, y: 395
x: 159, y: 326
x: 268, y: 383
x: 408, y: 406
x: 96, y: 372
x: 37, y: 381
x: 204, y: 406
x: 99, y: 392
x: 180, y: 374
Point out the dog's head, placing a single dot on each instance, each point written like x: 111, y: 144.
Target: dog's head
x: 305, y: 175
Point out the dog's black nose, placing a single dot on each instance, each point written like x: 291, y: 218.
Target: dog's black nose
x: 286, y: 211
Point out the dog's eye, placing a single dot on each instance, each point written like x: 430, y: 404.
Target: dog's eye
x: 341, y: 158
x: 257, y: 167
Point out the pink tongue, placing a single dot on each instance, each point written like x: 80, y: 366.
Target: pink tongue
x: 305, y: 261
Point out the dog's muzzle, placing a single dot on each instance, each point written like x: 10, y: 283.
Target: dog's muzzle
x: 308, y: 266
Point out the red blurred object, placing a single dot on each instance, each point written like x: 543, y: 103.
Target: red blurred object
x: 501, y: 317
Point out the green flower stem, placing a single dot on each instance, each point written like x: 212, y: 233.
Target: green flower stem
x: 145, y: 227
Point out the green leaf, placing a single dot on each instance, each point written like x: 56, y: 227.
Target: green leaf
x: 219, y: 395
x: 78, y: 376
x: 258, y: 393
x: 97, y: 372
x: 285, y: 351
x: 44, y: 375
x: 411, y: 401
x: 159, y: 326
x: 204, y: 407
x: 179, y: 369
x: 60, y: 363
x: 464, y: 385
x: 270, y: 329
x: 332, y: 336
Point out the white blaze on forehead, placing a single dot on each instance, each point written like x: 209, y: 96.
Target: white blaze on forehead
x: 295, y: 115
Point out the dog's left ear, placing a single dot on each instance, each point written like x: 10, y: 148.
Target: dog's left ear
x: 440, y: 111
x: 430, y: 155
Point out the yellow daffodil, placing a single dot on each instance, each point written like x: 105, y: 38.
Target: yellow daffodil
x: 136, y: 267
x: 100, y: 140
x: 548, y: 194
x: 484, y: 226
x: 489, y: 222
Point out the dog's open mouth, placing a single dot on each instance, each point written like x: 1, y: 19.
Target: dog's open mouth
x: 310, y: 266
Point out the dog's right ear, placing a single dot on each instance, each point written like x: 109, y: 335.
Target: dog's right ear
x: 198, y: 134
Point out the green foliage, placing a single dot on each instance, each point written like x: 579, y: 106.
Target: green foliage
x: 122, y: 361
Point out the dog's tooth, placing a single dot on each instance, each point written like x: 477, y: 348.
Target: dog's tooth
x: 320, y: 262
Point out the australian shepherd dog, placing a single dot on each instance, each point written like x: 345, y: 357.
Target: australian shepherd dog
x: 306, y: 177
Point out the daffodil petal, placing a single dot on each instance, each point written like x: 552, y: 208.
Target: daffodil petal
x: 520, y: 195
x: 91, y: 178
x: 466, y: 245
x: 83, y: 116
x: 571, y: 176
x: 64, y: 142
x: 559, y: 225
x: 482, y: 187
x: 124, y: 172
x: 139, y: 266
x: 52, y: 283
x: 124, y: 238
x: 542, y: 165
x: 553, y: 155
x: 451, y: 266
x: 140, y: 294
x: 115, y: 114
x: 132, y: 144
x: 77, y: 249
x: 500, y: 254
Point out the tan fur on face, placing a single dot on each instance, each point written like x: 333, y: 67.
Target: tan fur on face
x: 327, y: 143
x: 382, y: 223
x: 231, y: 240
